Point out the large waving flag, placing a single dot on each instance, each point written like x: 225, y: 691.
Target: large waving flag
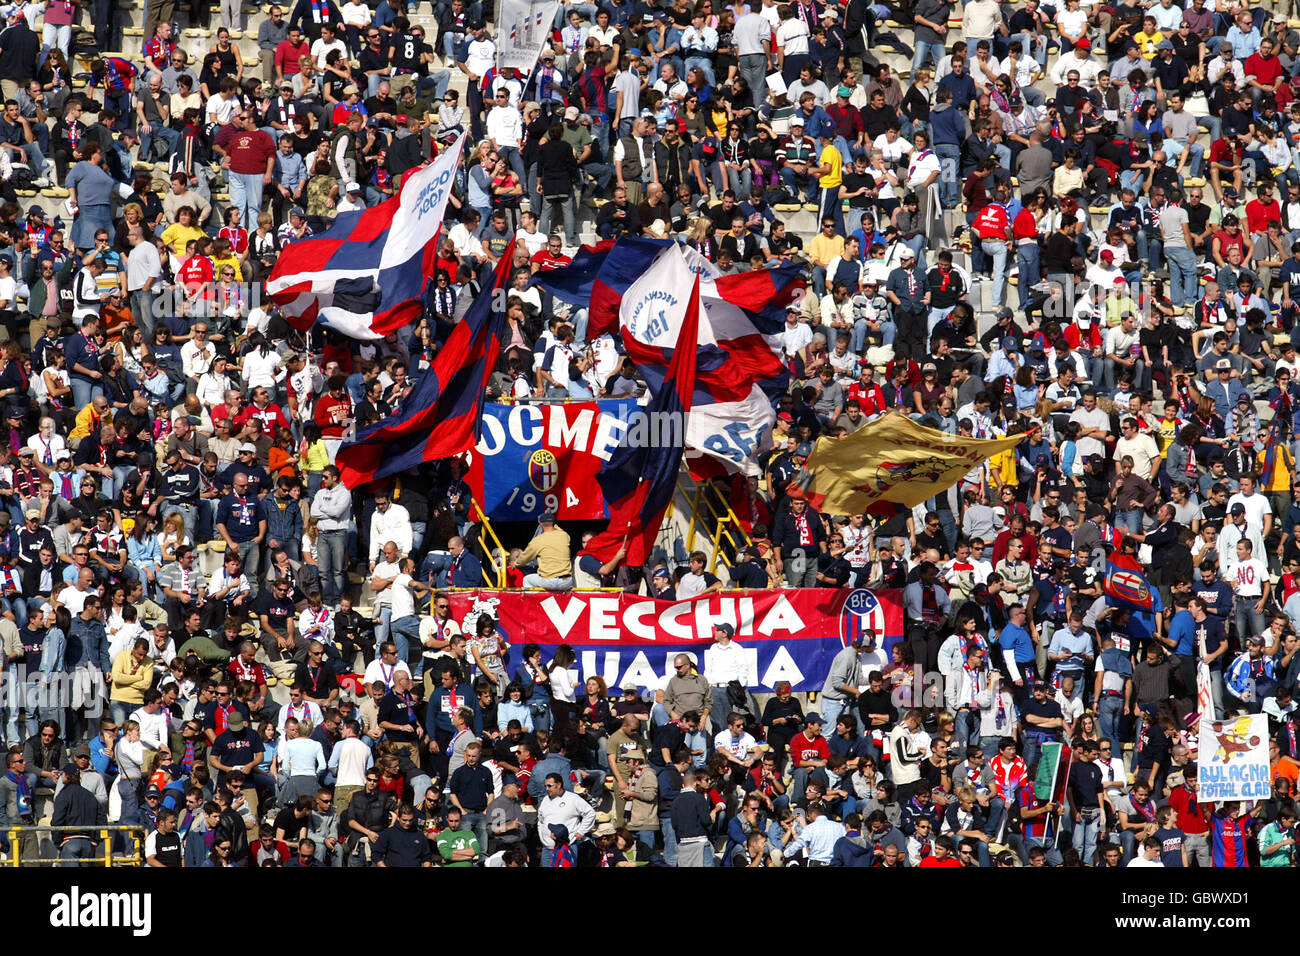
x: 641, y: 475
x: 443, y: 415
x: 364, y: 276
x: 889, y: 461
x: 740, y: 366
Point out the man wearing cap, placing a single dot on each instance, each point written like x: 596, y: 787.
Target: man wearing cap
x: 724, y: 662
x: 240, y: 748
x: 843, y: 679
x: 1251, y: 677
x: 1079, y: 59
x: 908, y: 291
x: 1224, y: 387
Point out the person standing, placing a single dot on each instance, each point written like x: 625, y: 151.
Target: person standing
x: 331, y: 506
x: 724, y: 662
x: 1084, y: 788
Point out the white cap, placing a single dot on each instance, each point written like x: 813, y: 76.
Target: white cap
x: 248, y: 446
x: 352, y: 188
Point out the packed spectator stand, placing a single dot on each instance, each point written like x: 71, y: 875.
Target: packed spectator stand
x: 259, y: 666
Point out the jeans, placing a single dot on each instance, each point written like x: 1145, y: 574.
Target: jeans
x: 405, y: 633
x: 705, y: 64
x: 478, y: 823
x: 75, y: 850
x: 83, y: 390
x: 1027, y: 264
x: 512, y: 156
x: 997, y: 251
x: 1150, y: 249
x: 246, y: 193
x: 1184, y: 284
x: 1086, y: 831
x: 1249, y: 621
x: 600, y: 130
x: 587, y: 11
x: 926, y: 50
x: 548, y: 584
x: 888, y: 332
x: 331, y: 547
x: 563, y: 202
x: 737, y: 180
x: 1130, y: 519
x: 753, y: 67
x: 1110, y: 712
x: 670, y: 840
x: 1198, y: 849
x: 949, y: 166
x: 165, y: 132
x: 60, y: 36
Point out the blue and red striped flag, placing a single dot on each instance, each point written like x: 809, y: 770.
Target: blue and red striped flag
x: 365, y: 275
x: 641, y: 477
x: 443, y: 415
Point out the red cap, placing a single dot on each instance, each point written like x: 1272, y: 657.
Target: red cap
x: 1084, y: 44
x: 1107, y: 255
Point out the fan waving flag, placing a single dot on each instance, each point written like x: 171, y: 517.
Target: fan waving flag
x: 641, y: 476
x: 365, y: 275
x: 443, y: 415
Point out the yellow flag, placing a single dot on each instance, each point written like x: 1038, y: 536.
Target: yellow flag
x: 891, y: 459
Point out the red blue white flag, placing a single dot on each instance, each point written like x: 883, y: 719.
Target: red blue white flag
x: 364, y: 277
x: 443, y: 415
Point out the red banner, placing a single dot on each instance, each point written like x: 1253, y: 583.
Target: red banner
x: 789, y: 634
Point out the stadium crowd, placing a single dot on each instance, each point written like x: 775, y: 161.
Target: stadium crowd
x: 259, y: 666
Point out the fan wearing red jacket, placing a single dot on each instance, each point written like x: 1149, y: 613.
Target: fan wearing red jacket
x: 866, y: 392
x: 809, y: 752
x: 334, y: 409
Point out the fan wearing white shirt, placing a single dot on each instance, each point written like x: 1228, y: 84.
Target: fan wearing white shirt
x: 299, y: 708
x: 155, y: 727
x: 1150, y: 855
x: 724, y: 661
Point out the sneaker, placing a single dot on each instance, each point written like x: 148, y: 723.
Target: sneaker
x: 40, y: 182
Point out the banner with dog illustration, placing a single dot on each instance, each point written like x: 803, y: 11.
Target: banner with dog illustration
x: 1233, y: 759
x: 787, y: 635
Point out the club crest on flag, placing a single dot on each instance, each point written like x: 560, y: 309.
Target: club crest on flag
x: 862, y: 610
x: 1129, y: 586
x: 543, y: 470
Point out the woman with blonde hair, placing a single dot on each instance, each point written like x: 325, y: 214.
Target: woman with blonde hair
x: 172, y: 536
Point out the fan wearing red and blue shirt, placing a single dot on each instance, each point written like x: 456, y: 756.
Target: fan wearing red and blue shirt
x: 116, y: 77
x: 1228, y: 830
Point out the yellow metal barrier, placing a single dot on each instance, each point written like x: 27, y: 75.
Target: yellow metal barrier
x: 724, y: 525
x: 134, y: 833
x: 486, y: 526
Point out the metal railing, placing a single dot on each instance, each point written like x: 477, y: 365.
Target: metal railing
x: 107, y: 858
x: 485, y: 527
x: 722, y: 527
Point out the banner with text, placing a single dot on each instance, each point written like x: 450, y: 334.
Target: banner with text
x: 787, y: 635
x: 538, y: 458
x: 1233, y: 759
x: 522, y: 28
